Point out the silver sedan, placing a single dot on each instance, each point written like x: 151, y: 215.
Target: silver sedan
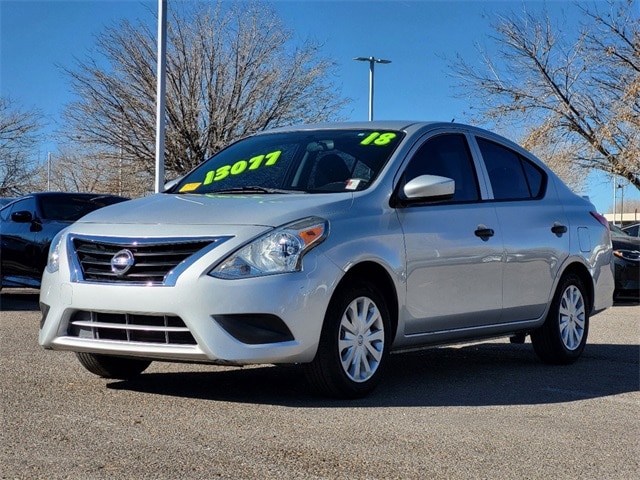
x: 332, y: 246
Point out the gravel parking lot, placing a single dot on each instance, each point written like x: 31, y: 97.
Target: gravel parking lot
x: 480, y: 411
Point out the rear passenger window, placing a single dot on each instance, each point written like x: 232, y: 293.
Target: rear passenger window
x: 447, y: 156
x: 512, y: 176
x: 535, y: 178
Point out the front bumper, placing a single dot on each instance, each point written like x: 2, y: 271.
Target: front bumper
x: 272, y: 319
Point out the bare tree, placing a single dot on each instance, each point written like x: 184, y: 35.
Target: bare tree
x: 576, y: 96
x: 94, y: 171
x: 18, y: 140
x: 627, y: 206
x: 231, y: 71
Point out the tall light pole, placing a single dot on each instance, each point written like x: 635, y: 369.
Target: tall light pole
x: 160, y: 93
x: 372, y: 61
x: 621, y: 187
x: 48, y: 171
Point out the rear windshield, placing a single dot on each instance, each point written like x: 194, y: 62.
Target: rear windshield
x: 316, y: 161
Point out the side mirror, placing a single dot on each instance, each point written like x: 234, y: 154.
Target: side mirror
x: 431, y: 188
x: 23, y: 216
x: 171, y: 183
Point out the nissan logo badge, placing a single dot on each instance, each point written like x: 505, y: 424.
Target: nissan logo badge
x: 121, y: 262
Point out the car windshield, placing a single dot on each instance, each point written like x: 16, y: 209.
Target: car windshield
x: 311, y: 161
x: 72, y: 208
x: 632, y: 229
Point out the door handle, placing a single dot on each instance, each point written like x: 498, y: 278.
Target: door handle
x: 484, y: 232
x: 558, y: 228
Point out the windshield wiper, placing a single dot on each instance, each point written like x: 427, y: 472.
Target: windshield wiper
x: 252, y: 189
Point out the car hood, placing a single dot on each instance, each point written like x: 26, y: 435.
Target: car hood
x: 250, y: 209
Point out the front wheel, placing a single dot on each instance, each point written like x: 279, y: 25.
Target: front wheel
x: 563, y: 336
x: 112, y: 367
x: 354, y: 343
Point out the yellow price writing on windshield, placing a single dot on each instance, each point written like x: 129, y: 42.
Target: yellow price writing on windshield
x: 377, y: 138
x: 242, y: 166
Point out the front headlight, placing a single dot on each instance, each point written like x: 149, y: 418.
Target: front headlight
x: 53, y: 260
x: 279, y: 251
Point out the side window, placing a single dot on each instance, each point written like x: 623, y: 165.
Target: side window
x: 535, y: 178
x: 447, y: 156
x: 512, y: 177
x: 27, y: 204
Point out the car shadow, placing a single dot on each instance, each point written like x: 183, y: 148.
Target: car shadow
x: 490, y: 374
x: 474, y: 375
x: 626, y: 302
x: 19, y: 299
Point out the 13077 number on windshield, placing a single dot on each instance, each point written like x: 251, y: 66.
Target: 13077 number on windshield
x: 241, y: 166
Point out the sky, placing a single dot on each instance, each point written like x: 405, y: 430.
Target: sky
x: 420, y: 37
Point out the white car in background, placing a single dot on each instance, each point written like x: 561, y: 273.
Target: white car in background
x: 333, y: 246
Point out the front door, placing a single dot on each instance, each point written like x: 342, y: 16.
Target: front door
x: 454, y: 248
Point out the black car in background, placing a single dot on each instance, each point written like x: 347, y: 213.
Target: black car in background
x: 29, y: 223
x: 626, y: 260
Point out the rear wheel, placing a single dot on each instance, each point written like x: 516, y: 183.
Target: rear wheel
x: 112, y: 367
x: 563, y: 336
x: 354, y: 343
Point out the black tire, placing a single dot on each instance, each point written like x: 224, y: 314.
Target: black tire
x: 347, y: 344
x: 616, y: 295
x: 563, y: 336
x: 112, y: 367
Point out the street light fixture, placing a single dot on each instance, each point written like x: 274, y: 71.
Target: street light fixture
x: 372, y: 61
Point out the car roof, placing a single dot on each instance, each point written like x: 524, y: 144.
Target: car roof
x: 61, y: 194
x: 376, y: 124
x: 65, y: 194
x: 409, y: 126
x: 631, y: 225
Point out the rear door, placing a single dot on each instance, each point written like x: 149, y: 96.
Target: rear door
x: 534, y: 228
x: 454, y: 248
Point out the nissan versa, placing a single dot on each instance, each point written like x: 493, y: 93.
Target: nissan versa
x: 333, y: 246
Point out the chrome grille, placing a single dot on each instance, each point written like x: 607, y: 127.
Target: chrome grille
x: 153, y: 259
x: 126, y: 327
